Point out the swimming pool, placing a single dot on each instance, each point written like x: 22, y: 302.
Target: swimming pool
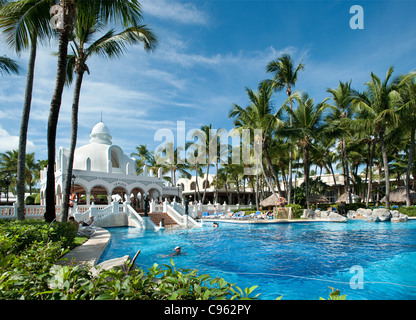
x: 296, y: 260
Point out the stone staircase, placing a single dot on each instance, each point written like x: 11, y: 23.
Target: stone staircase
x: 157, y: 217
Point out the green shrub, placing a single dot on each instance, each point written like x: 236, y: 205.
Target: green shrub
x: 410, y: 211
x: 30, y: 200
x: 73, y: 283
x: 297, y: 210
x: 20, y: 234
x: 29, y: 252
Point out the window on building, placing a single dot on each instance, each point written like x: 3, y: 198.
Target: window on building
x: 114, y: 159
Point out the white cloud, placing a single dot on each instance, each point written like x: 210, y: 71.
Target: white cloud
x: 9, y: 142
x: 181, y: 12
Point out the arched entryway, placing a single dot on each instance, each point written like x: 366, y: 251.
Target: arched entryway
x: 80, y: 194
x: 136, y: 199
x: 100, y: 195
x: 119, y: 194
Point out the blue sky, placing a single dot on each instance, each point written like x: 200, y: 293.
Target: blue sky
x: 209, y: 52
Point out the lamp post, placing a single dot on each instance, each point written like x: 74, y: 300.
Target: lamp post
x: 178, y: 185
x: 73, y: 182
x: 7, y: 182
x: 146, y: 204
x: 187, y: 206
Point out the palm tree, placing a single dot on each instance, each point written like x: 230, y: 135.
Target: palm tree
x: 142, y: 153
x: 407, y: 113
x: 342, y: 111
x: 8, y: 66
x: 32, y: 168
x: 128, y: 14
x: 380, y: 103
x: 285, y: 78
x: 24, y: 22
x: 307, y: 127
x: 258, y: 115
x: 206, y: 129
x: 142, y: 156
x: 194, y: 158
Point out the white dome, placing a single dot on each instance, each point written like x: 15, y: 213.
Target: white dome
x: 101, y: 156
x: 100, y: 134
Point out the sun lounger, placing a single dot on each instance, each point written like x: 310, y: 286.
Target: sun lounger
x: 229, y: 215
x: 239, y: 215
x: 205, y: 215
x: 235, y: 215
x: 214, y: 215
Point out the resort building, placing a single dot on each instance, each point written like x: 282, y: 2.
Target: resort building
x: 194, y: 188
x: 102, y: 172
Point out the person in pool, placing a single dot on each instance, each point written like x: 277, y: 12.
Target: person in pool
x: 177, y: 252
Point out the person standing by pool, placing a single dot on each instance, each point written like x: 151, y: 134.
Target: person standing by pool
x: 342, y: 209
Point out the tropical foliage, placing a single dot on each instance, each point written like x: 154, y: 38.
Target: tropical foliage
x: 29, y: 270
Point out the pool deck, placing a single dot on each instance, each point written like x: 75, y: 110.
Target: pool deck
x: 91, y: 250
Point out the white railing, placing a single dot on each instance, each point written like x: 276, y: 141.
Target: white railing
x: 31, y: 211
x: 180, y: 218
x: 199, y: 208
x: 138, y: 221
x: 83, y: 213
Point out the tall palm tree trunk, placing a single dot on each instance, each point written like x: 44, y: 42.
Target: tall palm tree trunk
x: 270, y: 166
x: 409, y: 166
x: 386, y: 169
x: 289, y: 186
x: 74, y: 134
x: 306, y: 173
x: 205, y: 185
x: 21, y: 161
x: 52, y: 125
x: 216, y: 183
x: 370, y: 174
x: 346, y: 171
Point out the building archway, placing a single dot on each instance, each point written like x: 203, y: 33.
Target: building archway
x: 81, y: 194
x: 136, y: 199
x: 154, y: 194
x: 58, y: 199
x: 100, y: 195
x: 119, y: 194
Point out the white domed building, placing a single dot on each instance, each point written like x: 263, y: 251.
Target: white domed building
x: 102, y: 172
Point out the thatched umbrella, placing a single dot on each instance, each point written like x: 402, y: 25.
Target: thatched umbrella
x: 317, y: 198
x: 344, y: 198
x: 399, y: 195
x: 270, y: 201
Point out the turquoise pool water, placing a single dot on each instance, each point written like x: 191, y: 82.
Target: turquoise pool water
x: 297, y: 260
